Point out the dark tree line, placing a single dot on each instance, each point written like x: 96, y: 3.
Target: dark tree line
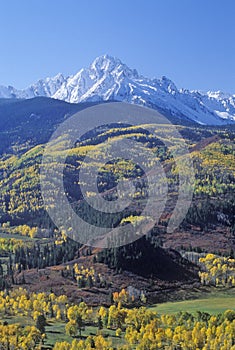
x: 146, y: 258
x: 48, y: 255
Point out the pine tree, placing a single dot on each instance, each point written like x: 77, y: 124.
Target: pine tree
x: 41, y: 323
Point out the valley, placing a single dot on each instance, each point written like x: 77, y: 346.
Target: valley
x: 164, y: 290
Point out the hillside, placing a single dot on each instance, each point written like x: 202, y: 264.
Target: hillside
x: 72, y: 294
x: 26, y: 123
x: 212, y: 151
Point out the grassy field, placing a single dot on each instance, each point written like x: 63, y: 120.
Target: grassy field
x: 14, y: 235
x: 213, y: 305
x: 55, y: 330
x: 8, y: 234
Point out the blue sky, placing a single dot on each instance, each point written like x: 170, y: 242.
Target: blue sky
x: 190, y: 41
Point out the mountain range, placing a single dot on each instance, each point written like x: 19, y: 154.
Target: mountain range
x: 108, y: 79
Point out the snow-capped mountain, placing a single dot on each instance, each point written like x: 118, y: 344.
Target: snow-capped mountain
x: 107, y: 78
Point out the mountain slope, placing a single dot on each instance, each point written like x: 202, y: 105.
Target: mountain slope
x: 107, y: 78
x: 26, y: 123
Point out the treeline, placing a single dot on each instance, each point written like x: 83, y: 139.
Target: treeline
x: 41, y: 256
x: 33, y: 255
x: 146, y: 258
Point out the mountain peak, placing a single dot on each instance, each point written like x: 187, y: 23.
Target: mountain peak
x: 168, y: 84
x: 107, y: 64
x: 104, y: 64
x: 104, y: 59
x: 108, y: 78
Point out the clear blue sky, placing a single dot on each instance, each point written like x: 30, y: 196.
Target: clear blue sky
x: 190, y: 41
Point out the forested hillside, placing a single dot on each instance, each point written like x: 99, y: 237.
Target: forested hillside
x: 81, y: 297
